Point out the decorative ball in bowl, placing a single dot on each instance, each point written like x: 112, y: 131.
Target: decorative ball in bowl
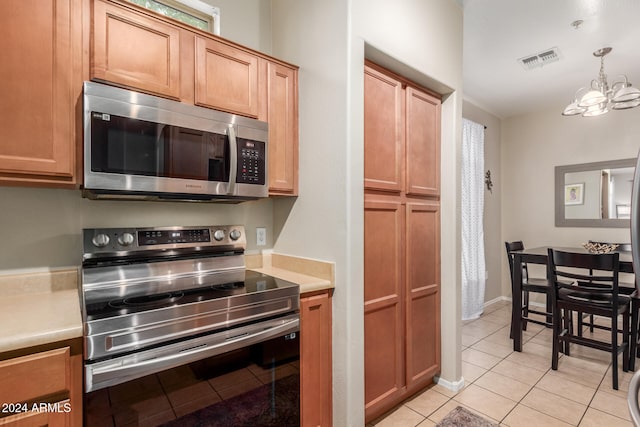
x: 600, y: 248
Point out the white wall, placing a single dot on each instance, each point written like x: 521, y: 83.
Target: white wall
x: 247, y: 22
x: 532, y: 145
x: 42, y: 228
x: 328, y: 40
x: 493, y: 243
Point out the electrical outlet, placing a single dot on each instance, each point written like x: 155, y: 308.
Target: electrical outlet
x: 261, y: 236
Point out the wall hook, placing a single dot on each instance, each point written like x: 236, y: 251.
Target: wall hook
x: 487, y: 181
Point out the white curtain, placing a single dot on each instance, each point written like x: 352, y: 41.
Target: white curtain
x: 473, y: 264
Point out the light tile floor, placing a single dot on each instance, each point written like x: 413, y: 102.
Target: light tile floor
x: 520, y: 389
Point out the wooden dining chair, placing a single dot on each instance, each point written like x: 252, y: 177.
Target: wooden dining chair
x: 588, y: 283
x: 529, y: 284
x: 625, y: 288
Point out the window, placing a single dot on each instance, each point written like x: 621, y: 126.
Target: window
x: 193, y: 12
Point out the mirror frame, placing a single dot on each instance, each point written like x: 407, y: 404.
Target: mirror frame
x: 560, y: 171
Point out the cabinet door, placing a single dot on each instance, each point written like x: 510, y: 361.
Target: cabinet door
x: 422, y: 143
x: 423, y: 292
x: 58, y: 418
x: 135, y: 50
x: 383, y: 305
x: 226, y: 77
x: 282, y: 116
x: 41, y: 75
x: 383, y: 133
x: 315, y: 357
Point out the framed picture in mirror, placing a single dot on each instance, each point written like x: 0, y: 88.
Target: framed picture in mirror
x: 573, y: 194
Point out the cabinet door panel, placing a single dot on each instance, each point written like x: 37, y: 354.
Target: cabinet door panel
x: 41, y: 83
x: 423, y: 297
x: 28, y: 377
x: 315, y: 355
x: 226, y: 78
x: 39, y: 419
x: 383, y: 150
x: 282, y: 115
x: 423, y: 143
x: 135, y: 50
x: 383, y: 312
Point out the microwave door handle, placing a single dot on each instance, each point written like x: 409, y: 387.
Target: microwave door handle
x: 233, y: 159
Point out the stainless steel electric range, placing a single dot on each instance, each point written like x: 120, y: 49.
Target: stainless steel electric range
x: 159, y: 298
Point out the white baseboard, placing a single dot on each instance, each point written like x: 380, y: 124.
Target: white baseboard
x: 534, y: 303
x: 495, y: 300
x: 454, y: 386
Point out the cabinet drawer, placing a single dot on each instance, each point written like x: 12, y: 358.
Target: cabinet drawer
x: 33, y: 376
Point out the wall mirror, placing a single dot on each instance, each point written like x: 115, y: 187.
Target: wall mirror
x: 594, y: 194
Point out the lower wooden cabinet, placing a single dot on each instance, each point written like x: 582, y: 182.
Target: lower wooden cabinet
x: 42, y: 388
x: 315, y: 359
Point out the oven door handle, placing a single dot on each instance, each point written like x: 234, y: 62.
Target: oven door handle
x: 117, y: 371
x: 233, y: 159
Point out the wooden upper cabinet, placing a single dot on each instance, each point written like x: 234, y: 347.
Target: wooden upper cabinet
x: 226, y: 77
x: 135, y: 50
x: 41, y: 81
x: 422, y: 143
x: 383, y: 132
x: 282, y: 116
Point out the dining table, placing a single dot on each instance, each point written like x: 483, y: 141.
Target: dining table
x: 539, y: 255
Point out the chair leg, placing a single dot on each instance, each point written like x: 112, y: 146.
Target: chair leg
x: 591, y: 324
x: 555, y: 344
x: 580, y: 324
x: 633, y: 338
x: 525, y: 309
x: 549, y: 308
x: 614, y: 351
x: 625, y: 341
x: 568, y: 327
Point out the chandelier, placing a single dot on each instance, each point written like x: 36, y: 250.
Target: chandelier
x: 600, y: 98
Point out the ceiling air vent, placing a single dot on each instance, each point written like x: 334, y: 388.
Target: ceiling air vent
x: 539, y: 59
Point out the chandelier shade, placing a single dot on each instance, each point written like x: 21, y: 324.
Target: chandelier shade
x: 601, y: 97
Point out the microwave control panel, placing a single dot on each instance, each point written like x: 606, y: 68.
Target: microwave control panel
x: 251, y: 162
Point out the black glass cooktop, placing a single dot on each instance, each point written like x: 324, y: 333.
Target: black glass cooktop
x: 254, y: 282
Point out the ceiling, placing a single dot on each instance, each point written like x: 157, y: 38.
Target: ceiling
x: 499, y: 32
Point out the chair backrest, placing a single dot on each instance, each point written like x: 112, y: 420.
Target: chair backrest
x: 513, y: 247
x: 595, y: 274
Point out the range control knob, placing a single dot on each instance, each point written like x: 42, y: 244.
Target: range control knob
x: 218, y: 235
x: 100, y: 240
x: 126, y: 239
x: 235, y: 234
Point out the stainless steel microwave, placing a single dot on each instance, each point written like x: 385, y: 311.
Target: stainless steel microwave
x: 139, y: 146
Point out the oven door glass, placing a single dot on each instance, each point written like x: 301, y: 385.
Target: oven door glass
x: 257, y: 385
x: 122, y: 145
